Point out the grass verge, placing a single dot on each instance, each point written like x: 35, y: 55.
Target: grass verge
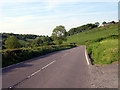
x: 103, y: 52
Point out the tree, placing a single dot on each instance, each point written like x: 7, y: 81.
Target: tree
x: 113, y: 22
x: 22, y: 43
x: 37, y: 42
x: 104, y: 22
x: 46, y: 40
x: 72, y: 31
x: 28, y: 45
x: 97, y: 24
x: 59, y: 33
x: 12, y: 42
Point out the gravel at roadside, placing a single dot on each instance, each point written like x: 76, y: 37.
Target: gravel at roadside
x: 104, y: 76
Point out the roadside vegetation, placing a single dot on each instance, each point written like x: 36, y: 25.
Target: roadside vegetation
x: 101, y: 43
x: 12, y: 56
x: 103, y: 52
x: 18, y: 47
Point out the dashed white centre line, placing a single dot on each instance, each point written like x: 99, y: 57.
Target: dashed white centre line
x: 41, y: 69
x: 31, y: 75
x: 65, y: 54
x: 48, y: 64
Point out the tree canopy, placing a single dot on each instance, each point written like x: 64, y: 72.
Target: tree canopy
x: 104, y: 22
x: 82, y: 28
x: 12, y: 42
x: 59, y: 32
x: 97, y: 23
x: 37, y: 42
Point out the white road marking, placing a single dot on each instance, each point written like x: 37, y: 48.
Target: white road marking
x: 41, y: 69
x: 48, y: 64
x: 86, y: 57
x: 31, y: 75
x: 20, y: 63
x: 34, y: 73
x: 65, y: 54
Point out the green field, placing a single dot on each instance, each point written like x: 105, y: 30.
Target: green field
x: 102, y: 43
x: 94, y: 34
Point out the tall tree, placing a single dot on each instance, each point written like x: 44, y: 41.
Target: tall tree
x: 59, y: 33
x: 12, y: 42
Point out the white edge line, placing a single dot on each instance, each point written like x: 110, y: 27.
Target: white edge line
x: 86, y: 57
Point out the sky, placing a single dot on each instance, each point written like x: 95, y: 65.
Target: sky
x: 42, y: 16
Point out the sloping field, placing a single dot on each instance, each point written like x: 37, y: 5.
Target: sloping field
x: 94, y: 34
x: 102, y: 43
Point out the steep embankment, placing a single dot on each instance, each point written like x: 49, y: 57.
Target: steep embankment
x: 102, y: 43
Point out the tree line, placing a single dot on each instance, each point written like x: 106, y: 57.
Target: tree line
x: 11, y: 41
x: 59, y: 34
x: 82, y: 28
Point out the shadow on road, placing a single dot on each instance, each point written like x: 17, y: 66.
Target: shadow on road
x: 25, y: 63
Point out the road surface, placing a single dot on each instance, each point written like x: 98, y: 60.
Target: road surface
x: 61, y: 69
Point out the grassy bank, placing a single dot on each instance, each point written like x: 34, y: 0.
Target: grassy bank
x: 12, y: 56
x: 103, y: 52
x: 94, y: 34
x: 102, y: 43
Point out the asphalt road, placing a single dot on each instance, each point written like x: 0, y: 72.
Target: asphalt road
x: 61, y: 69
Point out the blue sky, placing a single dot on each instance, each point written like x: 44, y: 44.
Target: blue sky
x: 41, y: 17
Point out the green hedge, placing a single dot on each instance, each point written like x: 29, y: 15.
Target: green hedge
x: 12, y: 56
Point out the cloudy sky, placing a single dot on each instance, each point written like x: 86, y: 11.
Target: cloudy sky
x: 42, y: 16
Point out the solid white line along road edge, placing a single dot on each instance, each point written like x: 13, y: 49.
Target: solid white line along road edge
x: 40, y: 69
x: 87, y: 57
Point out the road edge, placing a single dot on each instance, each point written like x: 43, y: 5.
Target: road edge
x: 87, y: 57
x: 31, y: 59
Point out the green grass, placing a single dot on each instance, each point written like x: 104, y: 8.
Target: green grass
x: 104, y: 52
x: 94, y: 34
x: 102, y: 43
